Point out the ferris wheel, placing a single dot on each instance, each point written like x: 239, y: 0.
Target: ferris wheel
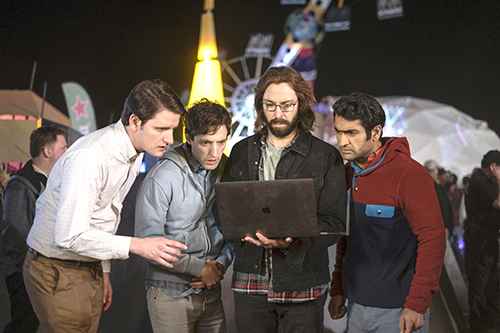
x: 239, y: 76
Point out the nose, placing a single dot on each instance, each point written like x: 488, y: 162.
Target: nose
x: 213, y: 150
x: 169, y: 137
x: 278, y: 113
x: 342, y: 140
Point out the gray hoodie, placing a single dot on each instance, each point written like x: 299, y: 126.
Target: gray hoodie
x: 171, y: 203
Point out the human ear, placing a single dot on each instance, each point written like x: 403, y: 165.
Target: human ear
x: 47, y: 152
x: 134, y: 122
x: 188, y: 140
x: 376, y: 132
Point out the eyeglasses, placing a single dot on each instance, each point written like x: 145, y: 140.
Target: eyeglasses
x: 286, y: 107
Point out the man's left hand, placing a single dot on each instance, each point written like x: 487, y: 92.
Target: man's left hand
x: 410, y: 321
x: 268, y: 243
x: 108, y: 292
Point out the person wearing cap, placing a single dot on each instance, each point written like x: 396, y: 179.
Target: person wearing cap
x: 481, y: 233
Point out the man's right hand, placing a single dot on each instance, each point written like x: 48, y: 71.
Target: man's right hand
x: 211, y: 273
x: 161, y: 250
x: 337, y: 307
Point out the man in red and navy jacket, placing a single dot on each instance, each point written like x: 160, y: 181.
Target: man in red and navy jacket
x: 389, y: 265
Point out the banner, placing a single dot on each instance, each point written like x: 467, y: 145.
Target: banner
x: 80, y: 109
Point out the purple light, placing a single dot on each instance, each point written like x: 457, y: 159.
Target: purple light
x: 457, y: 126
x: 461, y: 244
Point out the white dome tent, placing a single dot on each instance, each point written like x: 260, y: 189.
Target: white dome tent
x: 440, y: 132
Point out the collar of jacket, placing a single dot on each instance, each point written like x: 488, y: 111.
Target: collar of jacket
x: 302, y: 144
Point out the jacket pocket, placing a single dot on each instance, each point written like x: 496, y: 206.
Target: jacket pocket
x: 379, y: 211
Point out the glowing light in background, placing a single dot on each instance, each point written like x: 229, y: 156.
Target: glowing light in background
x: 457, y: 126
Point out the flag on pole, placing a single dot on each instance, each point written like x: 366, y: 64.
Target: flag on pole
x: 80, y: 109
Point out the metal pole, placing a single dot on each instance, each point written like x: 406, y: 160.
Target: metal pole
x: 44, y: 94
x: 33, y: 75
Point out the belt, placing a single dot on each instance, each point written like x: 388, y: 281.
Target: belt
x: 67, y: 261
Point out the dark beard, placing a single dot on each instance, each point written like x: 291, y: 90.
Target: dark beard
x: 283, y: 131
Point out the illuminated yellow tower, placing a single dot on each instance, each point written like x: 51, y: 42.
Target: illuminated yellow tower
x: 207, y: 81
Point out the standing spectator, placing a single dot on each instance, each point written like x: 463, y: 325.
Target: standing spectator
x: 481, y: 233
x: 47, y: 145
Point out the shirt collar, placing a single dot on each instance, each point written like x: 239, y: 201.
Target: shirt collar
x: 127, y: 148
x: 194, y: 165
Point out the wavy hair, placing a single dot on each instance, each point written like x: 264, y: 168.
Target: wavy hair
x: 304, y: 93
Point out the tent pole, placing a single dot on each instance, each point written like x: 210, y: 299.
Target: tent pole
x: 33, y: 75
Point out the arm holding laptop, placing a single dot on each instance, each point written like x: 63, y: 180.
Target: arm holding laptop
x: 331, y: 205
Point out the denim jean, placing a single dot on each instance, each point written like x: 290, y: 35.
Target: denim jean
x: 364, y: 319
x: 253, y: 313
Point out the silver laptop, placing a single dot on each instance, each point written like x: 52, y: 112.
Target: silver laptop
x: 275, y: 208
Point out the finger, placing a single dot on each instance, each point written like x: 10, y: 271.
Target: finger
x: 165, y: 263
x: 252, y: 241
x: 176, y: 244
x: 172, y: 251
x: 167, y: 257
x: 288, y: 240
x: 262, y: 238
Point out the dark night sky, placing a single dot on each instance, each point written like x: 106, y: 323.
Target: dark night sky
x: 447, y: 51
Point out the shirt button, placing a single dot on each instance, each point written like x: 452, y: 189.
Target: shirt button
x: 356, y: 189
x: 256, y: 267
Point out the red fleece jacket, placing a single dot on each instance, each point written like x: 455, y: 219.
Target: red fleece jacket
x: 400, y: 181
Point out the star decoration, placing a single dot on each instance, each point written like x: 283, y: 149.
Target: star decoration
x: 79, y: 108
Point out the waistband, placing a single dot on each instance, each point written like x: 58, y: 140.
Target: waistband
x: 71, y: 262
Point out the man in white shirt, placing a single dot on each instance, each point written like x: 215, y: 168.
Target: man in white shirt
x: 78, y: 214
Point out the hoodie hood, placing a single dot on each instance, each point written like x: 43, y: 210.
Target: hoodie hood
x: 391, y: 146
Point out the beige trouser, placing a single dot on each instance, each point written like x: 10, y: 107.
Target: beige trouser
x: 188, y: 314
x: 67, y: 295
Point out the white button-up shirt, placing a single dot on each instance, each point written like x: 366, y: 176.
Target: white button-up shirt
x: 78, y: 214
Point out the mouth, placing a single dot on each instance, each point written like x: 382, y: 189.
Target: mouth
x: 346, y: 151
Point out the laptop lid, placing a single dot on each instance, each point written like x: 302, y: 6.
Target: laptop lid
x: 276, y: 208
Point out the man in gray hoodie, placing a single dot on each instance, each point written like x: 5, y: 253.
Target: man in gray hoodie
x: 175, y: 201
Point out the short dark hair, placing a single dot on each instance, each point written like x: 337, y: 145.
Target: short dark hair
x: 42, y: 137
x: 304, y: 93
x: 493, y: 156
x: 360, y: 106
x: 206, y: 117
x: 148, y: 98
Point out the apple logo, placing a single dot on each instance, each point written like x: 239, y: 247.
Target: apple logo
x: 266, y: 210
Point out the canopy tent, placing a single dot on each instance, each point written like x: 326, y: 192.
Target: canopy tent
x: 440, y: 132
x: 19, y: 112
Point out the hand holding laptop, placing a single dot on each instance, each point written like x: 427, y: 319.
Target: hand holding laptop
x: 268, y: 243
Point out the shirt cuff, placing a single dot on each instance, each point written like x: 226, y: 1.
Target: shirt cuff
x: 106, y: 266
x: 121, y: 247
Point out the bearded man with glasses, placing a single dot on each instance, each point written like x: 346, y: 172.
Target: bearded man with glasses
x: 283, y: 281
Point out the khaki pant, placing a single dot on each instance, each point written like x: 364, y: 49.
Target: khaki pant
x: 188, y: 314
x: 67, y: 295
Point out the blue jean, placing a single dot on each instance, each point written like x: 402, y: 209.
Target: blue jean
x: 364, y: 319
x: 253, y: 313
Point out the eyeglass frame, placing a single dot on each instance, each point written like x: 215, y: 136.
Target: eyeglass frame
x: 278, y: 105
